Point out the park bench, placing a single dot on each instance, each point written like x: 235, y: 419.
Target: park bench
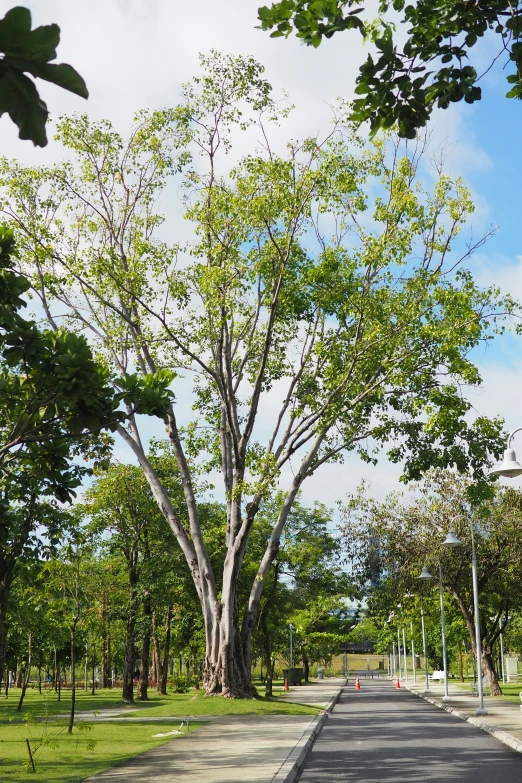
x: 474, y: 687
x: 437, y: 675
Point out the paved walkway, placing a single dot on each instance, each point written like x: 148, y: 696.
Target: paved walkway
x: 381, y: 735
x: 505, y: 716
x: 230, y: 749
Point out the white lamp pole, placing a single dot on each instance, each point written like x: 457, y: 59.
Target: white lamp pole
x: 425, y: 574
x: 478, y: 641
x: 413, y: 653
x: 424, y: 650
x: 291, y: 628
x: 399, y: 650
x: 446, y: 696
x: 404, y: 653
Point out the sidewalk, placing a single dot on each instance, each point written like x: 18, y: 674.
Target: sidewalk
x: 231, y: 748
x: 504, y: 719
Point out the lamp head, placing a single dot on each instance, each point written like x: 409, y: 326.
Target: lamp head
x: 509, y: 466
x: 451, y: 539
x: 424, y: 574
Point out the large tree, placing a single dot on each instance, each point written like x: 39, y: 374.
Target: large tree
x: 427, y: 65
x: 311, y: 324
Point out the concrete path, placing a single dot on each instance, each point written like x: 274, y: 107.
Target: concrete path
x: 379, y: 735
x: 317, y: 693
x: 504, y: 716
x: 230, y: 749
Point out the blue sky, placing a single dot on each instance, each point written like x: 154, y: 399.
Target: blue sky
x: 136, y: 53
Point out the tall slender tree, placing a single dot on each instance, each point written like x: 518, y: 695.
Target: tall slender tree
x: 309, y: 329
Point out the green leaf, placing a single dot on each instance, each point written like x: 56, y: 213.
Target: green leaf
x: 15, y: 25
x: 19, y: 98
x: 63, y: 76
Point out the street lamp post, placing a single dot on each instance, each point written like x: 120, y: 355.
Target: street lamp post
x: 404, y: 653
x: 291, y: 628
x: 424, y: 649
x: 413, y: 653
x: 509, y: 467
x: 425, y: 574
x: 452, y: 540
x: 446, y: 696
x: 399, y: 650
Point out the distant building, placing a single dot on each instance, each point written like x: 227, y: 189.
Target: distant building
x: 362, y: 648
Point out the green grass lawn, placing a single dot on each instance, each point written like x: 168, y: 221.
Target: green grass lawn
x: 72, y: 758
x: 192, y: 703
x: 37, y: 704
x: 510, y: 691
x: 195, y: 703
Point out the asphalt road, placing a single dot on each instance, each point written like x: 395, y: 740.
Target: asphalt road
x: 379, y: 734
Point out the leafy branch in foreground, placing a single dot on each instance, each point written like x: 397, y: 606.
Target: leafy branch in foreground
x: 27, y: 51
x: 404, y: 83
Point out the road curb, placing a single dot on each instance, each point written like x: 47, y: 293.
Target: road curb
x: 291, y: 766
x: 502, y: 736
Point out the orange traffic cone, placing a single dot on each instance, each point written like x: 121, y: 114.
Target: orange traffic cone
x: 398, y: 684
x: 357, y: 684
x: 286, y: 684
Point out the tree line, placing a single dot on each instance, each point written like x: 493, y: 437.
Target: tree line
x: 109, y: 604
x: 400, y: 535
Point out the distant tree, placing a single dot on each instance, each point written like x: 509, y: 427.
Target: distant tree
x: 57, y: 403
x: 431, y: 69
x: 67, y: 582
x: 403, y: 536
x: 306, y: 586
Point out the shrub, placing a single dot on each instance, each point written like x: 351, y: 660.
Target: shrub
x: 180, y: 684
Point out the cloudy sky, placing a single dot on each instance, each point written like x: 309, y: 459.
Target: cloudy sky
x: 136, y: 53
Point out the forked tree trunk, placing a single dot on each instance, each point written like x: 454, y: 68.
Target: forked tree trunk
x: 490, y: 674
x: 228, y: 644
x: 156, y: 659
x: 25, y: 680
x: 226, y: 673
x: 162, y: 682
x: 145, y: 653
x: 486, y: 667
x: 18, y: 680
x: 4, y: 595
x: 127, y: 695
x: 267, y: 652
x: 73, y: 681
x: 56, y: 672
x: 105, y: 667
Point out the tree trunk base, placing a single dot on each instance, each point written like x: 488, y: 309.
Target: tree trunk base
x: 239, y: 688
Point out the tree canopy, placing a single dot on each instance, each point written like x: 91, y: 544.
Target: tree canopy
x: 429, y: 66
x: 392, y: 540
